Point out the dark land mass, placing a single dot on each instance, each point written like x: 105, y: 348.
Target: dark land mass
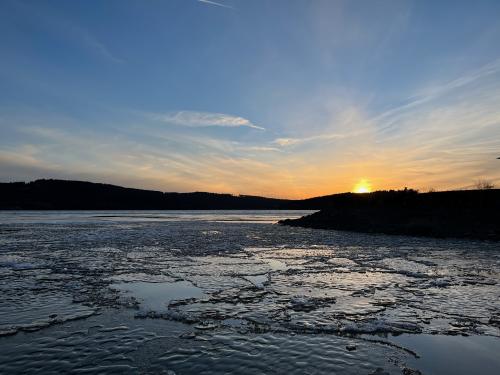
x: 79, y: 195
x: 459, y: 214
x: 470, y: 213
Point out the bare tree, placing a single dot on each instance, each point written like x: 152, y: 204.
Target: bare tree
x: 484, y: 185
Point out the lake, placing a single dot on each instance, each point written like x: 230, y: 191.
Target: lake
x: 209, y: 292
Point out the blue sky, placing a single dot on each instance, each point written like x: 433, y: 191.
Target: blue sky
x: 281, y: 98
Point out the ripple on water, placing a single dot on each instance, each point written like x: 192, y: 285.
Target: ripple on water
x: 110, y: 343
x: 32, y: 312
x: 230, y: 352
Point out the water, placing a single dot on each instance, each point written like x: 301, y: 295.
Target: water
x: 156, y: 296
x: 449, y: 355
x: 230, y: 291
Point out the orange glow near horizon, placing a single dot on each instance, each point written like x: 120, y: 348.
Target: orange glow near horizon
x: 362, y: 186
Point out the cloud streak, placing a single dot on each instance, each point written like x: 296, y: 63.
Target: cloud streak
x: 196, y: 119
x: 284, y: 142
x: 215, y: 4
x: 434, y: 92
x: 97, y: 46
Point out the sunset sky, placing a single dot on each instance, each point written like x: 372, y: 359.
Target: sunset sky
x: 277, y: 98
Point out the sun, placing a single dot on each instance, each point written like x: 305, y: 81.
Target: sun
x: 363, y: 186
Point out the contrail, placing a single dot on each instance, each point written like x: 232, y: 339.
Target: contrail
x: 216, y: 4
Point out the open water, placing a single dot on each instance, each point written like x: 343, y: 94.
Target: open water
x: 209, y: 292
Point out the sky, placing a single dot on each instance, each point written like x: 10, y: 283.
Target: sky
x: 278, y: 98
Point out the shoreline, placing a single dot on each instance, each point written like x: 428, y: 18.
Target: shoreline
x: 455, y: 214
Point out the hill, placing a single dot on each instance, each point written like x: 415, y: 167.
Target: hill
x: 49, y: 194
x: 462, y: 214
x: 79, y: 195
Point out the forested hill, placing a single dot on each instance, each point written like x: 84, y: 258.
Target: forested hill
x: 79, y: 195
x: 50, y: 194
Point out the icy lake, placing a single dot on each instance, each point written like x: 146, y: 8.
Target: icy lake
x: 209, y: 292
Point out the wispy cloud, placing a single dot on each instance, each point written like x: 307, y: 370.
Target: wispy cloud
x: 433, y: 92
x: 57, y: 23
x: 137, y: 161
x: 97, y: 46
x: 283, y: 142
x: 260, y: 149
x: 215, y: 3
x: 203, y: 119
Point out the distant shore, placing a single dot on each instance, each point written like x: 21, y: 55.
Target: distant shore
x: 52, y: 194
x: 460, y: 214
x: 471, y: 214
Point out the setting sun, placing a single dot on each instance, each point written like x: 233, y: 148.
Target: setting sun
x: 362, y: 186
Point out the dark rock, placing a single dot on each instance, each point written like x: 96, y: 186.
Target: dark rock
x: 409, y: 371
x: 350, y: 347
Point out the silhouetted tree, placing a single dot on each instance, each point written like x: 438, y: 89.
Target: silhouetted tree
x: 484, y: 185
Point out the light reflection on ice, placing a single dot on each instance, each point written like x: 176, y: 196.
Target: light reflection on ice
x: 157, y: 296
